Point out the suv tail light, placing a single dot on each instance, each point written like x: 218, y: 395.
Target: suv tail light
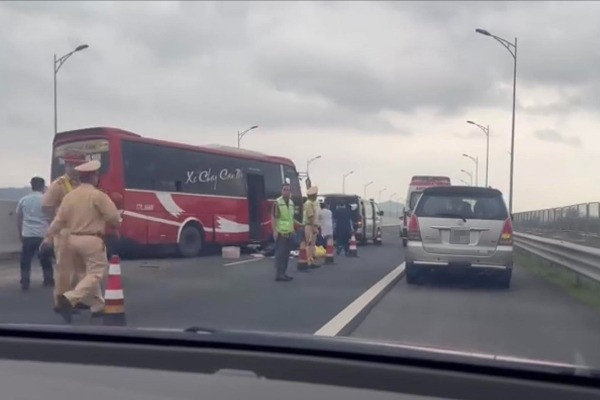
x: 506, y: 238
x: 414, y: 233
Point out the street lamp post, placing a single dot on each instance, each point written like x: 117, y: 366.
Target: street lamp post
x: 309, y: 161
x: 58, y: 62
x: 486, y: 130
x: 379, y: 194
x: 344, y: 181
x: 476, y: 161
x: 465, y: 182
x: 241, y: 134
x: 512, y: 49
x: 470, y: 175
x: 365, y: 188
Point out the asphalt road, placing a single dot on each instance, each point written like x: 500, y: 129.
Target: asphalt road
x: 533, y: 319
x: 204, y: 291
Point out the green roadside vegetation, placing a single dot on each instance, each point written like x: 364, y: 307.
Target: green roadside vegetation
x: 580, y: 287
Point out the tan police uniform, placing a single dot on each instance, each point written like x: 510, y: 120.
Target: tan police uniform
x: 66, y: 277
x: 83, y: 214
x: 311, y: 227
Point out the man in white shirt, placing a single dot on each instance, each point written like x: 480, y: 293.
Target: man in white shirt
x: 32, y: 225
x: 326, y: 222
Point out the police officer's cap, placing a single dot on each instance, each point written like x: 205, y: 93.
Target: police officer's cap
x: 73, y: 158
x: 88, y: 167
x: 312, y: 191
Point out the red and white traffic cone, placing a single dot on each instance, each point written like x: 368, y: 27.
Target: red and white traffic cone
x: 353, y: 249
x: 329, y: 255
x: 114, y: 300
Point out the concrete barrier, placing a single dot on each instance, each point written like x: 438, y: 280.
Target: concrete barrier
x: 9, y: 236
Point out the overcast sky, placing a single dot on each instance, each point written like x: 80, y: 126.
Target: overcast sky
x: 383, y: 89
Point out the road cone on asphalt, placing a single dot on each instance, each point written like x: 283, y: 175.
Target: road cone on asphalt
x: 329, y: 255
x: 302, y: 257
x: 114, y: 307
x: 353, y: 250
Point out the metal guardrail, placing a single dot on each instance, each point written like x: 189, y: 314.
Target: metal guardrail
x: 583, y: 260
x: 579, y: 218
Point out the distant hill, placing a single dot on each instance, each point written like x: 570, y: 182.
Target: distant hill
x: 13, y: 194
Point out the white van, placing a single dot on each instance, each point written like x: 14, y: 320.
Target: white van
x: 417, y: 184
x: 366, y: 215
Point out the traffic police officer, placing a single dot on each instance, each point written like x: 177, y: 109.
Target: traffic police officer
x: 65, y: 275
x: 311, y: 224
x: 84, y: 213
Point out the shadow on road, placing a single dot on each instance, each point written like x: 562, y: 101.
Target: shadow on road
x: 460, y: 280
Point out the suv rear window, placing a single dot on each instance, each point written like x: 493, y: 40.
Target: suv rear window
x: 467, y: 204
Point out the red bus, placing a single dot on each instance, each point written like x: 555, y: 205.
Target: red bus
x: 416, y: 186
x: 180, y: 195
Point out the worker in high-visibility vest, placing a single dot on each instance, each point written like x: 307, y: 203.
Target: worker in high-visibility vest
x: 65, y: 276
x: 283, y: 225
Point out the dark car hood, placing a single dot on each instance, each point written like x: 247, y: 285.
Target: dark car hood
x: 341, y: 347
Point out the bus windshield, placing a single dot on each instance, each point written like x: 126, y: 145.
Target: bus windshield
x: 414, y: 197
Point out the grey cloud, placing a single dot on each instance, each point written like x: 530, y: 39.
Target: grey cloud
x: 468, y: 135
x: 223, y: 64
x: 553, y: 136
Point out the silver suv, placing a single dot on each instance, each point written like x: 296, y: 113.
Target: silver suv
x: 460, y: 227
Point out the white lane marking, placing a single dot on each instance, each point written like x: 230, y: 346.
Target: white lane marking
x: 333, y: 327
x: 579, y: 360
x: 245, y: 261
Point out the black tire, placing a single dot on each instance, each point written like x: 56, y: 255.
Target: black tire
x: 413, y: 274
x: 504, y: 279
x: 376, y: 241
x: 363, y: 240
x: 191, y: 241
x: 404, y: 242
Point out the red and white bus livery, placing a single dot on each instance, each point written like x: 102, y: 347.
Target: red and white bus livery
x: 417, y: 184
x: 177, y: 194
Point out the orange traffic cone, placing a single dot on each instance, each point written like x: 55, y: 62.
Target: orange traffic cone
x: 353, y: 250
x: 114, y: 307
x: 302, y: 258
x: 329, y: 256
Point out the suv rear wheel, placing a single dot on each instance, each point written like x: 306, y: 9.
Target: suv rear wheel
x: 504, y: 279
x: 413, y: 274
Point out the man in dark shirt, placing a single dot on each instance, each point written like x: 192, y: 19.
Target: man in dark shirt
x: 343, y: 228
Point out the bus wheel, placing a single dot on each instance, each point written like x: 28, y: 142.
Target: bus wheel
x: 191, y: 241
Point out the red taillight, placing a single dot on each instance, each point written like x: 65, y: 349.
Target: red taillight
x: 506, y: 238
x: 414, y: 233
